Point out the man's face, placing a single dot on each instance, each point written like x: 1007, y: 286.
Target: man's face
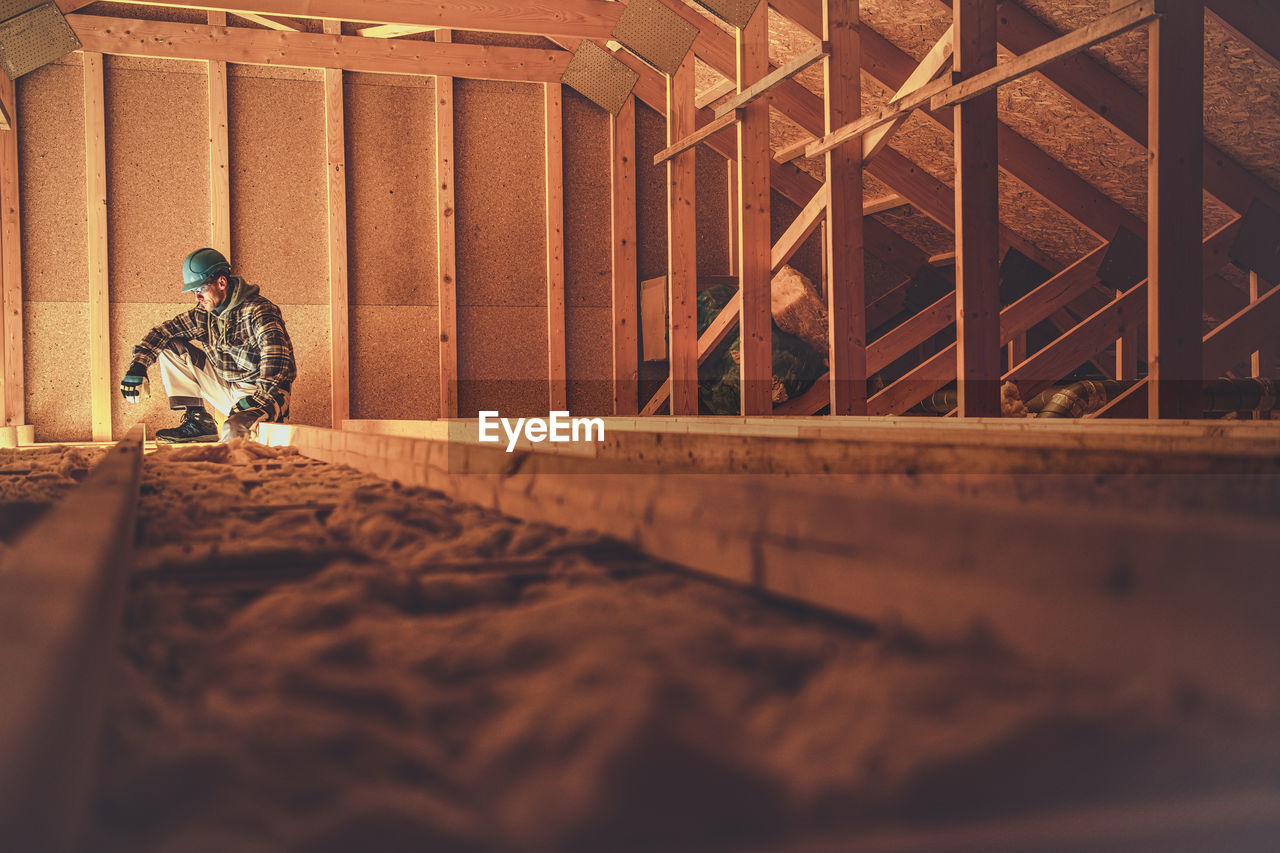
x: 212, y: 293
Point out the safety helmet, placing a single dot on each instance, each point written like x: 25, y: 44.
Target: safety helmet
x: 202, y: 265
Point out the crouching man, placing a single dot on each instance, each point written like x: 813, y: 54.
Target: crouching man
x: 243, y: 366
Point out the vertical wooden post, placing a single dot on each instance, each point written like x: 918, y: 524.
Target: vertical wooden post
x: 1127, y: 351
x: 682, y: 246
x: 557, y: 369
x: 447, y: 270
x: 339, y: 312
x: 95, y: 171
x: 977, y: 218
x: 755, y: 367
x: 731, y: 170
x: 1175, y: 210
x: 625, y: 299
x: 843, y: 245
x: 219, y: 151
x: 1263, y: 361
x: 11, y: 264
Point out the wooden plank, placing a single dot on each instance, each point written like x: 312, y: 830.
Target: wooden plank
x: 1266, y: 358
x: 846, y: 274
x: 715, y: 93
x: 336, y: 212
x: 1106, y: 27
x: 1126, y: 353
x: 934, y: 63
x: 700, y: 135
x: 858, y: 551
x: 622, y: 195
x: 219, y: 151
x: 896, y: 111
x: 269, y: 23
x: 682, y: 252
x: 1236, y: 339
x: 977, y: 215
x: 390, y: 31
x: 883, y: 204
x: 95, y: 170
x: 809, y: 218
x: 446, y: 260
x: 7, y: 106
x: 731, y: 197
x: 575, y: 18
x: 13, y: 381
x: 557, y: 366
x: 754, y: 257
x: 316, y: 50
x: 762, y: 87
x: 1175, y: 212
x: 1257, y: 22
x: 61, y: 598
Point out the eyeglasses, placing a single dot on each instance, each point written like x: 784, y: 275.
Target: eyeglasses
x: 204, y: 288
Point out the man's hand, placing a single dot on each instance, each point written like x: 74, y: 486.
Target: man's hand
x: 134, y: 387
x: 240, y: 423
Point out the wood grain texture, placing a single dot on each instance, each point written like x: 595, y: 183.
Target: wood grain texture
x: 682, y: 249
x: 219, y: 150
x: 553, y: 163
x: 755, y: 365
x: 339, y: 296
x: 625, y: 284
x: 11, y: 270
x: 446, y: 260
x: 95, y: 170
x: 316, y: 50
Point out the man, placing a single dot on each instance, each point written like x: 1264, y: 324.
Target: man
x: 244, y: 368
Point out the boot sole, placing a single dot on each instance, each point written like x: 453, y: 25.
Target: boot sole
x: 201, y: 439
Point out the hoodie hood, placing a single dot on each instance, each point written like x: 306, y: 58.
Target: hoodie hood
x: 241, y: 291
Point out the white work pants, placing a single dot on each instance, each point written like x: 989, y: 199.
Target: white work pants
x: 189, y: 380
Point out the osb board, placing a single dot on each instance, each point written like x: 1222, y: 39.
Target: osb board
x: 587, y: 205
x: 129, y: 323
x: 146, y: 13
x: 308, y: 327
x: 502, y: 360
x: 390, y: 181
x: 928, y: 235
x: 651, y: 194
x: 712, y: 189
x: 55, y: 340
x: 1242, y: 102
x: 279, y: 196
x: 590, y: 348
x: 499, y: 195
x: 157, y: 179
x: 395, y: 362
x: 51, y: 154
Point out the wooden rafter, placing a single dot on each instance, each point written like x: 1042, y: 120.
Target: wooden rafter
x: 575, y: 18
x: 269, y: 23
x: 315, y: 50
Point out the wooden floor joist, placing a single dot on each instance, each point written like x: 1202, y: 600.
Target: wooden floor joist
x: 61, y: 588
x: 1196, y: 596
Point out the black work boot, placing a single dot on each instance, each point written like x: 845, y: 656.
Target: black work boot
x: 197, y: 425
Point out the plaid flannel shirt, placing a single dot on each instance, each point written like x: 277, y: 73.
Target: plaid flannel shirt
x: 247, y: 343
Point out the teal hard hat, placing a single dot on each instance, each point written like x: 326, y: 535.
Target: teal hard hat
x: 202, y: 265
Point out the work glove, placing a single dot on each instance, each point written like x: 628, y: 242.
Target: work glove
x: 134, y: 387
x: 244, y: 416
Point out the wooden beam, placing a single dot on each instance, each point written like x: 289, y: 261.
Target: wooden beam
x: 755, y: 366
x: 761, y: 87
x: 805, y: 223
x: 336, y: 207
x: 682, y: 252
x: 390, y: 31
x: 625, y: 310
x: 7, y: 93
x: 13, y: 381
x: 715, y: 93
x: 895, y: 111
x: 446, y: 261
x: 1175, y: 210
x: 314, y: 50
x: 553, y: 179
x: 219, y: 151
x: 575, y: 18
x: 977, y: 215
x: 1266, y: 358
x: 883, y: 204
x: 700, y: 135
x: 62, y: 588
x: 934, y: 63
x: 844, y: 247
x: 1106, y: 27
x: 1238, y: 337
x: 269, y: 23
x: 1255, y: 21
x: 95, y: 170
